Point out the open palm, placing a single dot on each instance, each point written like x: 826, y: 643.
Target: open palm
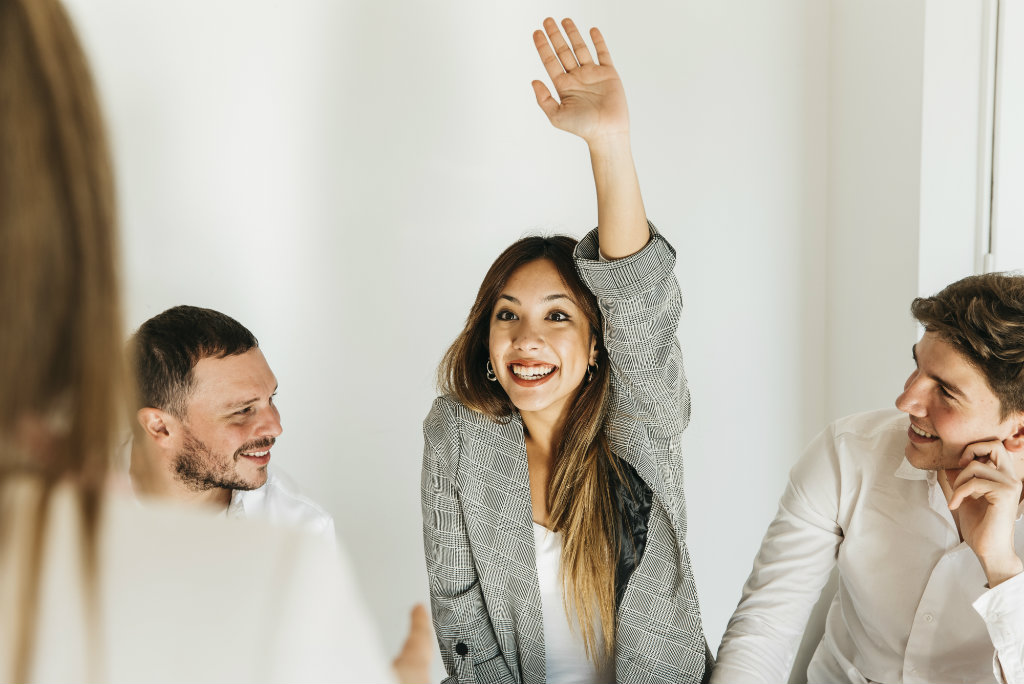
x: 591, y: 101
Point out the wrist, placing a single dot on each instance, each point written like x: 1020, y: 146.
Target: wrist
x: 1000, y: 568
x: 610, y: 145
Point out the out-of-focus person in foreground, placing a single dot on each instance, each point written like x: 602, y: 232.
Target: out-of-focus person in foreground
x: 92, y: 586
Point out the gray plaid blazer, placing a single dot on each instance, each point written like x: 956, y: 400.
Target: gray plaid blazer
x: 477, y: 519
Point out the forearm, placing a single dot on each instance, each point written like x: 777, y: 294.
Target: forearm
x: 621, y: 219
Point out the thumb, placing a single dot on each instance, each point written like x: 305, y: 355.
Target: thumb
x: 547, y: 103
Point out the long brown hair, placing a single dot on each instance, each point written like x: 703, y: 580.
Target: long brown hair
x: 579, y: 493
x: 60, y: 376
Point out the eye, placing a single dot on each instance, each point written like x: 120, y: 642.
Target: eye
x: 245, y: 411
x: 505, y: 315
x: 558, y: 316
x: 945, y: 393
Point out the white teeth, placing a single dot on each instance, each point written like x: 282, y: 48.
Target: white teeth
x: 531, y: 372
x: 921, y: 432
x: 256, y: 454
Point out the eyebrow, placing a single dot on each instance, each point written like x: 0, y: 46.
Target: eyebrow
x: 948, y: 386
x: 549, y: 298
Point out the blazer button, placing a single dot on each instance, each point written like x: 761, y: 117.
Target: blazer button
x: 461, y: 648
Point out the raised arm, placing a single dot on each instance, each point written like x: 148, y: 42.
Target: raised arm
x: 591, y: 103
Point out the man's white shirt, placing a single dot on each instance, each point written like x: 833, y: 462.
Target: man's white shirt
x: 912, y: 603
x: 281, y: 502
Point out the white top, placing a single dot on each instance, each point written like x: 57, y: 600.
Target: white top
x: 188, y: 597
x: 912, y: 603
x: 565, y: 658
x: 281, y: 502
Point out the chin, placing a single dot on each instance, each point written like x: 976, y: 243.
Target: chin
x: 926, y: 460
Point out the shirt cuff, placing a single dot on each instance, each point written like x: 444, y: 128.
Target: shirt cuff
x: 1002, y: 609
x: 627, y: 277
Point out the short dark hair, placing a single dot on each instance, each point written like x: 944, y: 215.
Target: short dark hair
x: 166, y: 348
x: 982, y: 317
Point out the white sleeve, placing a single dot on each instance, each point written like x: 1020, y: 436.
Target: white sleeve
x: 793, y: 564
x: 1002, y: 609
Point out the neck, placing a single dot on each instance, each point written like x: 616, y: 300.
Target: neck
x: 154, y: 478
x: 544, y: 429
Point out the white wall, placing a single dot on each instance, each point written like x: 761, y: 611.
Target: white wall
x: 339, y: 175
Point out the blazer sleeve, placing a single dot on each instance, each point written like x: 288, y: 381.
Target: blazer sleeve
x: 640, y: 302
x: 469, y: 648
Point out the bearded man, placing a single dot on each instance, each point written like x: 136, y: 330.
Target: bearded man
x: 206, y: 421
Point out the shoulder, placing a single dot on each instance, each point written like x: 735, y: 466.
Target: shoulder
x: 855, y: 448
x: 881, y: 432
x: 281, y: 501
x: 450, y: 420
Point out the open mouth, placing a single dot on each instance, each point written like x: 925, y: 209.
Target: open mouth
x: 259, y: 452
x: 530, y: 374
x: 916, y: 434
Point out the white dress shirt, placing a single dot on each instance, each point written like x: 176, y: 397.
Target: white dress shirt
x: 912, y: 603
x: 282, y: 503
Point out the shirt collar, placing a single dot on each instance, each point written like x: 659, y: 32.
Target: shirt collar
x: 908, y: 472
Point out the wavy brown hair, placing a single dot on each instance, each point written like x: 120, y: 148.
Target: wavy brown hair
x: 982, y: 317
x: 60, y: 376
x: 579, y: 493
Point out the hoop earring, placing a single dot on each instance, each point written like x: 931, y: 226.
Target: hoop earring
x: 590, y: 371
x: 490, y: 372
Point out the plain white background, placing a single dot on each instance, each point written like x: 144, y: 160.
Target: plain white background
x: 338, y: 176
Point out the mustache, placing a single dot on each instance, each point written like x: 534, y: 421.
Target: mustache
x: 257, y: 445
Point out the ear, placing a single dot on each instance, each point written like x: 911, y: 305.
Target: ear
x: 1015, y: 442
x: 157, y: 425
x: 593, y: 350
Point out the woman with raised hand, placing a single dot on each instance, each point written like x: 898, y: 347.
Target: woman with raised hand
x: 553, y: 513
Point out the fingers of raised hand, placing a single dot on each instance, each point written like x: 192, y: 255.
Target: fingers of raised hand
x: 603, y: 56
x: 551, y: 63
x: 562, y: 49
x: 578, y: 45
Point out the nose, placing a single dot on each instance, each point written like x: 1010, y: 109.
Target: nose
x: 528, y: 336
x: 909, y: 401
x: 271, y: 425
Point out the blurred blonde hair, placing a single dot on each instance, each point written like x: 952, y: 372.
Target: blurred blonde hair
x: 60, y: 365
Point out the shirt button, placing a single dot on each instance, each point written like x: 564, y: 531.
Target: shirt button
x: 461, y: 648
x: 928, y: 617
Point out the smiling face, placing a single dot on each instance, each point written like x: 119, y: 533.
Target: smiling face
x: 540, y: 341
x: 231, y: 423
x: 950, y: 406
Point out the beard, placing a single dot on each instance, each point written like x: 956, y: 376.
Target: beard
x: 200, y: 469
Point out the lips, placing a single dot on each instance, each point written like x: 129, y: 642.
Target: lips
x: 257, y: 452
x: 919, y: 435
x: 529, y: 372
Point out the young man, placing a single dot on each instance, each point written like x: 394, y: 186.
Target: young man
x: 206, y: 421
x: 920, y: 510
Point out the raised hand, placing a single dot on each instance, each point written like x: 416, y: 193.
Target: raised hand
x: 591, y: 102
x: 986, y: 495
